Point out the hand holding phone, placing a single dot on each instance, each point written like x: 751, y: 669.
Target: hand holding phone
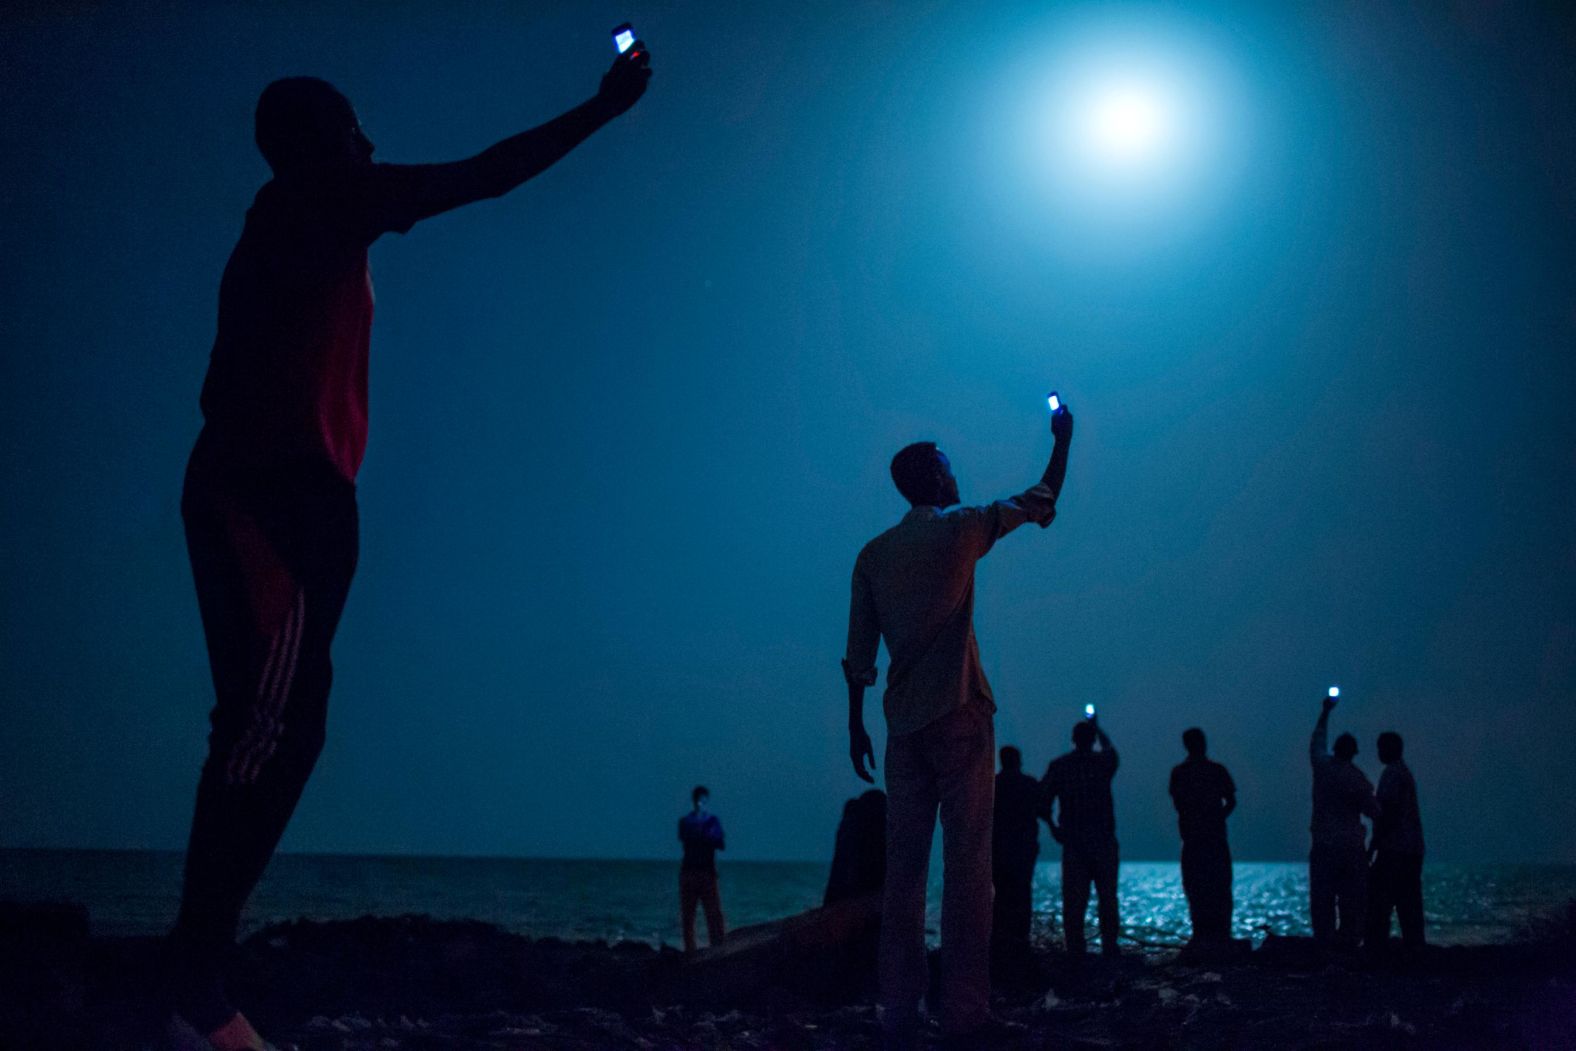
x: 625, y: 82
x: 1061, y: 416
x: 1088, y: 711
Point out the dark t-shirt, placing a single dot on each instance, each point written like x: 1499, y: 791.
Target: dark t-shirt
x: 1015, y: 826
x: 287, y: 378
x: 701, y: 835
x: 1200, y: 788
x: 1082, y: 781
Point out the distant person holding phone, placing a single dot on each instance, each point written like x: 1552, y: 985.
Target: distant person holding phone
x: 914, y: 586
x: 1076, y: 803
x: 1395, y: 879
x: 1338, y: 860
x: 1204, y: 796
x: 270, y: 495
x: 700, y: 833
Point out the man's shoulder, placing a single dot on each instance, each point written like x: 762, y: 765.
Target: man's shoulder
x: 1062, y: 762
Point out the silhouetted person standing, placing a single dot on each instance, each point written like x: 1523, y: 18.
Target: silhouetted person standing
x: 701, y: 834
x: 1014, y: 847
x: 270, y: 498
x: 1395, y: 882
x: 1338, y: 862
x: 1080, y: 781
x: 1204, y: 796
x: 914, y: 586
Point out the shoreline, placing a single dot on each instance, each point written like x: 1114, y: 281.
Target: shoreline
x: 411, y: 982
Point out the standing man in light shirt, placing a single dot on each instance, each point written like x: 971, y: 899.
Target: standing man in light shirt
x: 914, y: 586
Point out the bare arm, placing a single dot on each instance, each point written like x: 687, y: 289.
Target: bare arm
x: 1056, y: 470
x: 420, y: 191
x: 859, y: 670
x: 1106, y: 747
x: 1319, y: 743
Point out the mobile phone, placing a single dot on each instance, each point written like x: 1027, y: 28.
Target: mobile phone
x: 624, y: 37
x: 1054, y: 400
x: 1335, y: 691
x: 1088, y: 708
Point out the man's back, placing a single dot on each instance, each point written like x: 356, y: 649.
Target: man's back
x: 1016, y: 816
x: 1200, y: 788
x: 1400, y: 824
x: 1081, y: 780
x: 1341, y: 795
x: 914, y: 586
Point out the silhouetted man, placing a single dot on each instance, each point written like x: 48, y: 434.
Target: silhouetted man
x: 1395, y: 882
x: 1338, y: 862
x: 270, y: 498
x: 701, y: 834
x: 914, y: 586
x: 1015, y: 844
x: 1204, y: 795
x: 1086, y: 828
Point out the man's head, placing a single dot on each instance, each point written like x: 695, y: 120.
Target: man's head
x: 1011, y: 760
x: 1083, y: 735
x: 1193, y: 740
x: 700, y: 795
x: 923, y: 475
x: 1345, y: 747
x: 305, y: 125
x: 1390, y: 747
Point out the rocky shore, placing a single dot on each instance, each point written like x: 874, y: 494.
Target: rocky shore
x: 415, y: 983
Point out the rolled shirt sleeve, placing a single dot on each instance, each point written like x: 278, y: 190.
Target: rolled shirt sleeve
x: 994, y: 521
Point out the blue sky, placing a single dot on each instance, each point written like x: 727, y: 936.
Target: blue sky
x: 630, y: 424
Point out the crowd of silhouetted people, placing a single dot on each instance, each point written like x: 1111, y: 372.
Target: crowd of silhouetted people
x: 1356, y: 882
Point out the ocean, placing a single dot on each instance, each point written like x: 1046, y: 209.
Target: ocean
x: 135, y: 893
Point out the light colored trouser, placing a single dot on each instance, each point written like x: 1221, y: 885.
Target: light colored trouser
x: 949, y: 765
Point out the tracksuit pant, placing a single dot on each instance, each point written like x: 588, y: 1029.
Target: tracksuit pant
x: 272, y: 550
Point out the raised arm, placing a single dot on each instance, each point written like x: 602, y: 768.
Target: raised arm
x: 859, y: 669
x: 1056, y: 470
x: 1319, y: 743
x: 1106, y: 747
x: 408, y: 193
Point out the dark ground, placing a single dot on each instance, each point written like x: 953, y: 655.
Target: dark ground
x: 414, y: 983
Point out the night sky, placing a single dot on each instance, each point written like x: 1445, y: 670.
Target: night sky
x: 631, y: 424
